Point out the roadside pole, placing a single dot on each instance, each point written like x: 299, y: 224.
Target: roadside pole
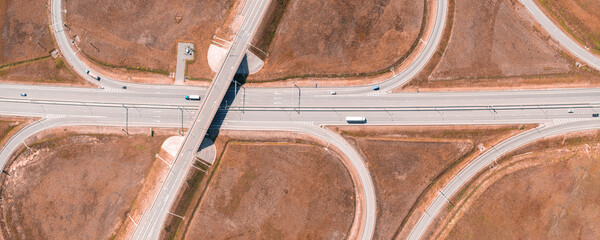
x: 181, y: 128
x: 243, y: 96
x: 299, y: 93
x: 126, y: 130
x: 447, y: 200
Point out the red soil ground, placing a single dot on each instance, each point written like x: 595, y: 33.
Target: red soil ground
x: 333, y: 37
x: 546, y: 190
x: 407, y: 161
x: 268, y: 190
x: 74, y: 185
x: 25, y: 38
x: 144, y: 33
x: 498, y: 45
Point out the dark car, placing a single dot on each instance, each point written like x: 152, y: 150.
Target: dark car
x: 595, y: 114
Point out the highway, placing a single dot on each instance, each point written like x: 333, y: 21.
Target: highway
x: 276, y: 109
x: 485, y: 159
x: 167, y: 116
x: 283, y: 97
x: 411, y: 107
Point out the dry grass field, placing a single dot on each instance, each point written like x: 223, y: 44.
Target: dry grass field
x: 74, y: 186
x: 498, y: 45
x: 580, y: 18
x: 144, y: 33
x: 325, y: 38
x: 547, y: 190
x: 24, y: 25
x: 9, y: 126
x: 26, y: 44
x: 47, y: 71
x: 406, y: 161
x: 275, y: 190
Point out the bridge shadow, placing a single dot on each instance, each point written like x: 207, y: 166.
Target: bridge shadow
x: 236, y: 86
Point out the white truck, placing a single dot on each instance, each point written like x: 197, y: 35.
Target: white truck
x: 93, y: 75
x: 192, y: 97
x: 356, y: 119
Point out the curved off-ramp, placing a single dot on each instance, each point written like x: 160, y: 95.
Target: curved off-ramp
x: 562, y: 38
x: 79, y: 67
x: 364, y: 219
x: 65, y: 47
x: 25, y: 133
x: 488, y: 157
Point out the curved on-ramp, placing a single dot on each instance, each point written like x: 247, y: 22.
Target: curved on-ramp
x: 556, y: 33
x: 441, y: 10
x: 363, y: 224
x: 65, y: 47
x: 486, y: 159
x: 364, y: 218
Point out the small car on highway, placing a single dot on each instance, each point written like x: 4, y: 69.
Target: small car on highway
x: 23, y: 94
x: 333, y: 93
x: 570, y: 111
x: 376, y: 88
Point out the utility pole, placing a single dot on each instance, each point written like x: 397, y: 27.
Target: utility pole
x: 545, y: 112
x: 181, y: 129
x: 243, y: 96
x: 126, y: 130
x: 447, y: 200
x: 299, y: 93
x: 235, y: 84
x: 441, y: 113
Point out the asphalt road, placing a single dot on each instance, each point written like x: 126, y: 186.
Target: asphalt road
x: 163, y: 105
x: 280, y: 120
x: 283, y: 97
x: 152, y: 221
x: 485, y: 160
x: 69, y: 51
x: 564, y: 39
